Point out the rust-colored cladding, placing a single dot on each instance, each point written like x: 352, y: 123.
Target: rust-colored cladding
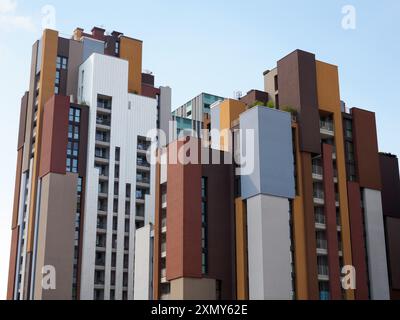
x: 309, y: 226
x: 298, y: 89
x: 366, y: 149
x: 357, y: 240
x: 55, y: 136
x: 331, y: 228
x: 390, y: 185
x: 13, y: 263
x: 183, y: 220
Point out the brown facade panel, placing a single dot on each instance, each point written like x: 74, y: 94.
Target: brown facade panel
x: 389, y: 166
x: 13, y: 263
x: 393, y: 250
x: 183, y: 219
x: 366, y: 149
x: 309, y: 226
x: 56, y: 234
x: 331, y: 225
x: 253, y: 96
x: 220, y: 234
x: 55, y: 136
x: 298, y: 89
x: 150, y: 91
x: 357, y: 240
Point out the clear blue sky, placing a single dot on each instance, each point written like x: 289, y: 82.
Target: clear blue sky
x: 214, y: 46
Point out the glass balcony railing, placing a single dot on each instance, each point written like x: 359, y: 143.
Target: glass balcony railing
x: 326, y: 125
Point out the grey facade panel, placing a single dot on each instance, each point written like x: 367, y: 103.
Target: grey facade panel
x: 91, y: 46
x: 273, y: 172
x: 75, y: 60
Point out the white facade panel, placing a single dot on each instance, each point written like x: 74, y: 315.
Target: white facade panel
x: 131, y: 116
x: 269, y: 252
x: 376, y: 247
x: 142, y: 263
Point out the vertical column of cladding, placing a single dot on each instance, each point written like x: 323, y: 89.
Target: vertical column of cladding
x: 30, y: 124
x: 329, y: 103
x: 331, y: 224
x: 242, y: 291
x: 368, y: 173
x: 391, y: 210
x: 358, y: 244
x: 57, y: 205
x: 131, y: 50
x: 46, y: 82
x: 183, y: 239
x: 299, y: 225
x: 296, y: 82
x: 268, y: 189
x: 218, y: 224
x: 15, y: 227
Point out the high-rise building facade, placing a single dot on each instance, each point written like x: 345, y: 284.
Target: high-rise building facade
x: 318, y: 204
x: 83, y: 182
x: 282, y: 195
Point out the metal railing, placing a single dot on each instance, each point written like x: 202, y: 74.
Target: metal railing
x: 326, y: 125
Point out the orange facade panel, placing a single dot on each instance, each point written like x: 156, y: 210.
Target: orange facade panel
x: 131, y: 50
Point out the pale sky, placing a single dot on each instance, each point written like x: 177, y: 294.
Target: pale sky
x: 210, y: 46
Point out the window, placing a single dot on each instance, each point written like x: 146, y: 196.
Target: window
x: 73, y: 140
x: 62, y: 63
x: 57, y: 77
x: 56, y: 90
x: 117, y: 47
x: 276, y: 83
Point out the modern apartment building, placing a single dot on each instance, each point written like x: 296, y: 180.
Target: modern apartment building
x: 194, y: 115
x: 319, y: 197
x: 83, y: 181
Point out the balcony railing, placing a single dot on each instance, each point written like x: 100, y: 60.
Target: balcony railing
x: 317, y: 170
x: 323, y: 270
x: 326, y: 125
x: 103, y: 122
x: 319, y: 194
x: 320, y: 218
x: 142, y: 163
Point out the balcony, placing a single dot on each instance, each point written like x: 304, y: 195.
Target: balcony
x: 319, y: 197
x: 317, y: 172
x: 322, y: 244
x: 164, y: 275
x: 143, y: 164
x: 327, y: 129
x: 163, y: 250
x: 164, y: 201
x: 103, y: 123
